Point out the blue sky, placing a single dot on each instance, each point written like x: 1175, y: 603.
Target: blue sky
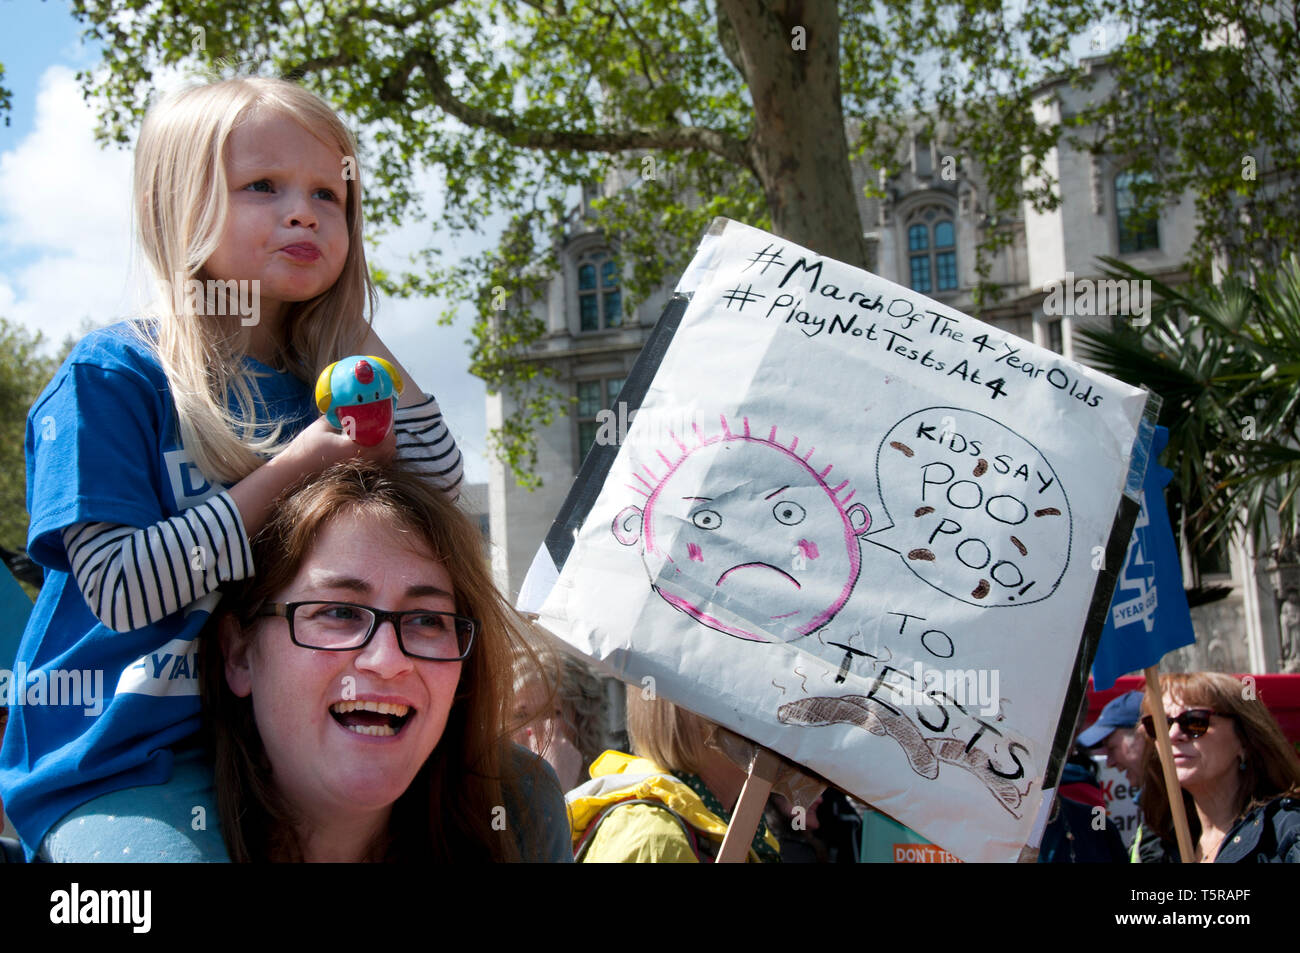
x: 66, y: 233
x: 35, y: 34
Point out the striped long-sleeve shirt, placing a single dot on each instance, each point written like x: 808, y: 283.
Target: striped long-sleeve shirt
x: 132, y: 577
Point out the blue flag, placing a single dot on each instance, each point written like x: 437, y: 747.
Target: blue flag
x: 1148, y: 614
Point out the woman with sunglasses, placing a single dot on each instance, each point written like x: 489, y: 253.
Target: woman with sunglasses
x: 357, y: 693
x: 1238, y: 776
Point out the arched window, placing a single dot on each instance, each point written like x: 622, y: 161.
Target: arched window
x: 932, y: 250
x: 600, y: 302
x: 1138, y: 229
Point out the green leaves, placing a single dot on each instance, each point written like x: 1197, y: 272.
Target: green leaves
x: 1226, y: 360
x: 1214, y: 82
x: 6, y: 97
x: 25, y: 369
x: 518, y: 103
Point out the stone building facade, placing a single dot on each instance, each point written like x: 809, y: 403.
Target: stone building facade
x: 921, y: 234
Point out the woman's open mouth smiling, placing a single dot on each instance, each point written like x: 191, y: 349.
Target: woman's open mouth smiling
x: 377, y: 719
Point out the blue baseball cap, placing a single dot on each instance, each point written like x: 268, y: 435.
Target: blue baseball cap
x: 1121, y: 712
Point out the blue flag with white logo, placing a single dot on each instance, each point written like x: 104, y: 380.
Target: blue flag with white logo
x: 1148, y: 614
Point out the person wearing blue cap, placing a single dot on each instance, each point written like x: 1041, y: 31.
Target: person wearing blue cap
x: 1116, y: 730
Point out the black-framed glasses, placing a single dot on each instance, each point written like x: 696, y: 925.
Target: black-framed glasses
x: 428, y: 634
x: 1195, y: 722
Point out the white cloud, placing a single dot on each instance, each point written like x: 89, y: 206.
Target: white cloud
x: 65, y: 218
x: 66, y: 244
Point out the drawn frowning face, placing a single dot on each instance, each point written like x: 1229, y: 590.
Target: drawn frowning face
x: 745, y: 537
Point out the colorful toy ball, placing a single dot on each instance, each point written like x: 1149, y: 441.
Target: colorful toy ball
x: 358, y: 395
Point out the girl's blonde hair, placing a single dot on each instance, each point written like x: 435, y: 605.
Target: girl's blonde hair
x: 673, y: 738
x: 181, y: 201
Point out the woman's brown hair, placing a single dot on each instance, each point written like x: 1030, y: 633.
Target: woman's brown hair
x: 1271, y: 767
x: 448, y: 812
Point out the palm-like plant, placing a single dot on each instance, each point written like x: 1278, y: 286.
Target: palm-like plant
x: 1226, y: 360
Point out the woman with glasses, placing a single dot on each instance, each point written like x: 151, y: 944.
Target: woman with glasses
x: 357, y: 690
x: 1239, y: 777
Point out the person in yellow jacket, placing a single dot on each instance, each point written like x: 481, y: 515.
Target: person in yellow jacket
x: 668, y: 803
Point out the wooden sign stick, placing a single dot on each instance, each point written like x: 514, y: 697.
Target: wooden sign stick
x: 749, y: 808
x: 1166, y: 752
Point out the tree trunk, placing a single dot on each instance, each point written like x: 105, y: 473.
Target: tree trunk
x: 789, y: 51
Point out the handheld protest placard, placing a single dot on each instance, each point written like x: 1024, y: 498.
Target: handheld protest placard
x: 860, y: 529
x: 358, y: 395
x: 749, y: 806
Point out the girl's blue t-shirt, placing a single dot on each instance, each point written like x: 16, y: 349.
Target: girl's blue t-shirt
x: 93, y: 710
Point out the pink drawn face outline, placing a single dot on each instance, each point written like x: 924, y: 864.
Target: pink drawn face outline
x: 770, y: 485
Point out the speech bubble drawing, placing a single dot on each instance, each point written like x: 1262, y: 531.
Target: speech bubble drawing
x: 972, y: 508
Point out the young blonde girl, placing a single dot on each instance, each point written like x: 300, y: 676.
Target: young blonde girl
x: 158, y: 448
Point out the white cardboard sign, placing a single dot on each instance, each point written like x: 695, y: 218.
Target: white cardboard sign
x: 858, y: 527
